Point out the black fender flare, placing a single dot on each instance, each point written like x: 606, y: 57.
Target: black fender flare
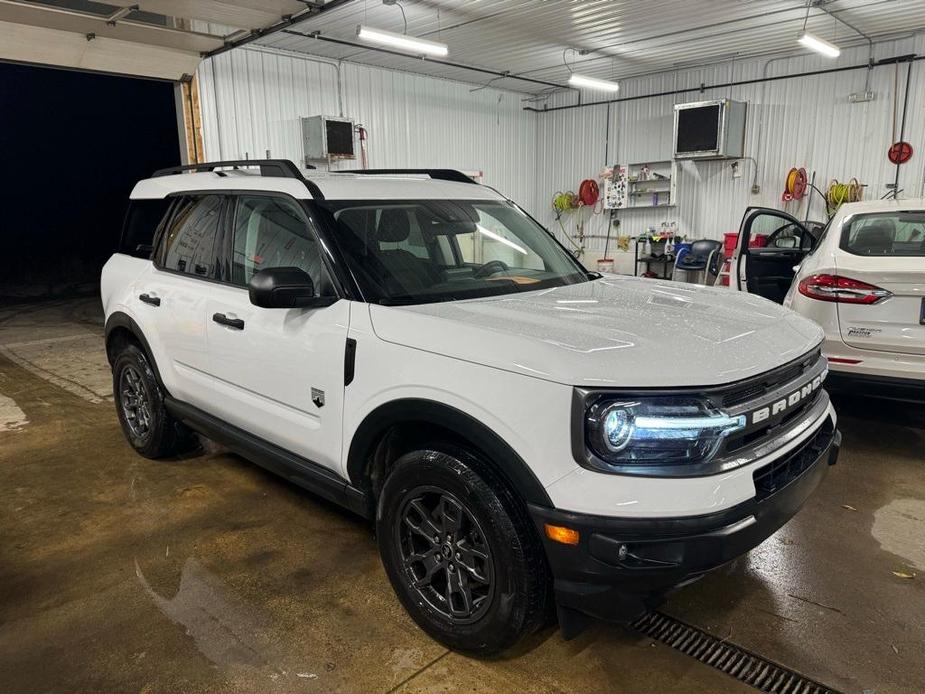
x: 499, y: 455
x: 120, y: 319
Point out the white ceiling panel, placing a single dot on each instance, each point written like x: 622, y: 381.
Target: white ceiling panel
x: 235, y: 13
x: 621, y: 37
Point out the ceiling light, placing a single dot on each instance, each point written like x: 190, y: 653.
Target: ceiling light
x: 829, y: 50
x: 581, y: 81
x: 402, y: 42
x: 500, y: 239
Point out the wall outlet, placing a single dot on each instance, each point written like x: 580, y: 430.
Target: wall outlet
x: 861, y: 97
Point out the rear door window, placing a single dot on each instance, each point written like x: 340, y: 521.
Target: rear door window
x: 189, y: 243
x: 885, y: 234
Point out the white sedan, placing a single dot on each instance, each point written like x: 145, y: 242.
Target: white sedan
x: 862, y: 280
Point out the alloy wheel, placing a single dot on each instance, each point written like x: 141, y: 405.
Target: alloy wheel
x: 445, y: 556
x: 136, y: 406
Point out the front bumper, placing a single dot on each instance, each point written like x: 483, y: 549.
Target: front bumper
x: 621, y: 567
x: 887, y: 387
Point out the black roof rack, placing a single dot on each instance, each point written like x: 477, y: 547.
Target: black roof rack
x: 439, y: 174
x: 280, y: 168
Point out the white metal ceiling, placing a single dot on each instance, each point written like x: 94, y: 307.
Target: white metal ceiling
x: 618, y: 38
x: 622, y: 37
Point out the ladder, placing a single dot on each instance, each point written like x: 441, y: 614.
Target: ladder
x: 724, y: 277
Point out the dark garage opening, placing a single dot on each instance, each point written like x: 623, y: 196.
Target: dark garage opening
x: 73, y: 146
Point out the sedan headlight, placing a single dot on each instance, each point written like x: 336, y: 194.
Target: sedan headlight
x: 655, y: 431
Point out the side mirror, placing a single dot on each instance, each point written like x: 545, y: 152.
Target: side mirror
x: 285, y: 287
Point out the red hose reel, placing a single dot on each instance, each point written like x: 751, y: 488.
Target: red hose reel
x: 589, y: 192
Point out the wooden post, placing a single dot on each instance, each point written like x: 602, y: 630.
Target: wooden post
x: 192, y: 120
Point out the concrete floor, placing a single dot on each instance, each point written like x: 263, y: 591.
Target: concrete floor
x: 205, y: 574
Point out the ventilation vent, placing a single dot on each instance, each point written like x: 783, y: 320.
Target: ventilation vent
x: 750, y: 668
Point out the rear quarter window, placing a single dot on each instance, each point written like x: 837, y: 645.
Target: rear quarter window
x: 885, y: 234
x: 142, y: 220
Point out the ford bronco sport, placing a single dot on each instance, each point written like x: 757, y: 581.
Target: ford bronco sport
x: 525, y: 434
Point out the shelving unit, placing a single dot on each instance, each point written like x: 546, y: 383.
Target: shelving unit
x: 642, y: 186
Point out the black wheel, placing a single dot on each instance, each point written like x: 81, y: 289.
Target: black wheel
x: 460, y: 553
x: 140, y: 406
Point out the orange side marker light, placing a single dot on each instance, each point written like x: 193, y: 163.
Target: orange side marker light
x: 566, y: 536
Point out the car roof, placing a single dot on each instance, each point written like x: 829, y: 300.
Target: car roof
x: 333, y: 186
x: 867, y: 206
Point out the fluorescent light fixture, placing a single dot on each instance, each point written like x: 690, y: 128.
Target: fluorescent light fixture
x: 814, y: 43
x: 581, y: 81
x: 500, y: 239
x: 402, y: 42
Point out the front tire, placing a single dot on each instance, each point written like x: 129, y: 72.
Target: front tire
x: 460, y: 553
x: 139, y: 399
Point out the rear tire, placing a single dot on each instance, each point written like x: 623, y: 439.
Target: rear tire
x: 139, y: 399
x: 460, y: 553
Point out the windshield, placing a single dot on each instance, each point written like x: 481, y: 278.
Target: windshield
x: 422, y: 251
x: 885, y: 234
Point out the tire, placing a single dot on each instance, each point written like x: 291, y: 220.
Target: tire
x: 139, y: 399
x: 485, y: 548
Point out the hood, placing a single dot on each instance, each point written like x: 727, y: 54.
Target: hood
x: 611, y: 332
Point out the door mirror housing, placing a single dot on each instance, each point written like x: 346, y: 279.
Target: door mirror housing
x: 285, y: 287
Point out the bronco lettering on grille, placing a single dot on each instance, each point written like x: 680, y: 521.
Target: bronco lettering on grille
x: 779, y: 406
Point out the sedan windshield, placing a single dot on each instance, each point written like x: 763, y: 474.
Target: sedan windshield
x: 422, y: 251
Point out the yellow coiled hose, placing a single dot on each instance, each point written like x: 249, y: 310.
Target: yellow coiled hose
x: 564, y: 201
x: 838, y: 194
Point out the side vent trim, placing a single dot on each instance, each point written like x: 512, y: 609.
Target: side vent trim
x: 350, y: 356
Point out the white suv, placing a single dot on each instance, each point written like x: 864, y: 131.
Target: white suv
x: 416, y: 348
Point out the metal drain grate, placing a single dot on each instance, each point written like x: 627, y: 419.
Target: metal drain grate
x: 745, y: 666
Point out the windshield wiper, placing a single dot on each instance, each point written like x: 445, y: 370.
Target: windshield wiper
x: 497, y: 289
x: 401, y: 300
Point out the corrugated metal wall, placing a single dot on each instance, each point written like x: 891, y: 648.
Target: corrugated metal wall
x: 804, y: 121
x: 252, y: 100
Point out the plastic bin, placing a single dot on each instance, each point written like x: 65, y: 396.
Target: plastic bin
x: 730, y: 240
x: 729, y: 243
x: 681, y: 249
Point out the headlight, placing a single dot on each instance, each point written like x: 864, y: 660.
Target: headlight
x: 655, y: 432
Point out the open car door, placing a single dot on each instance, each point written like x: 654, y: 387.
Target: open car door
x: 768, y: 269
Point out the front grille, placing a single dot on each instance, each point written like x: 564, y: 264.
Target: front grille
x: 755, y: 388
x: 771, y: 478
x: 736, y: 442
